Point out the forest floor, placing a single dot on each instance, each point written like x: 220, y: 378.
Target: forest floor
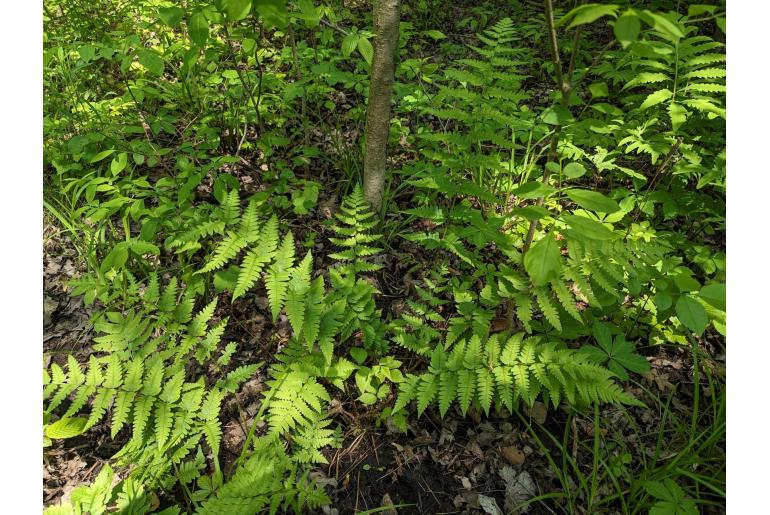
x: 449, y: 466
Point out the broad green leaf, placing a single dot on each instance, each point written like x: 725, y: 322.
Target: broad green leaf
x: 627, y: 28
x: 349, y: 44
x: 118, y: 163
x: 274, y: 12
x: 171, y: 16
x: 656, y: 98
x: 587, y: 13
x: 543, y: 260
x: 715, y: 294
x: 662, y: 24
x: 366, y: 49
x: 697, y: 9
x: 601, y: 332
x: 599, y: 89
x: 101, y: 155
x: 533, y: 189
x: 557, y: 115
x: 66, y: 427
x: 574, y: 170
x: 592, y: 200
x: 308, y: 13
x: 152, y: 61
x: 531, y: 212
x: 198, y: 29
x: 236, y: 9
x: 663, y: 301
x: 588, y: 229
x: 692, y: 314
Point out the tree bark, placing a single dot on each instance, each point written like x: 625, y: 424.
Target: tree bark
x: 386, y: 20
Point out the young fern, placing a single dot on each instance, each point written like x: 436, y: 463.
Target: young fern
x: 355, y: 221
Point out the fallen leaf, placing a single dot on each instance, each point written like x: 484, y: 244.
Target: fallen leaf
x: 489, y: 505
x: 519, y: 488
x: 475, y: 450
x: 513, y: 454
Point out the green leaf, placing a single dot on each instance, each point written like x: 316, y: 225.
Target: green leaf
x: 592, y: 200
x: 692, y: 314
x: 603, y: 335
x: 589, y: 229
x: 198, y: 29
x: 656, y: 98
x: 308, y: 13
x: 531, y: 212
x: 227, y: 279
x: 715, y: 294
x: 101, y: 155
x: 574, y: 170
x: 349, y: 44
x: 543, y: 260
x: 587, y: 13
x: 434, y: 34
x: 66, y: 427
x: 662, y: 24
x: 171, y: 16
x: 698, y: 9
x: 358, y: 354
x: 152, y: 61
x: 274, y: 12
x: 533, y: 189
x: 627, y: 28
x: 557, y: 115
x: 236, y: 9
x: 118, y: 163
x: 599, y: 89
x: 366, y: 49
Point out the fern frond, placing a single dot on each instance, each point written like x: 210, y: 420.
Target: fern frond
x: 476, y: 373
x: 297, y: 289
x: 256, y: 259
x: 277, y: 276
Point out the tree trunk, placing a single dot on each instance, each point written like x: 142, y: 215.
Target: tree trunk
x: 386, y: 19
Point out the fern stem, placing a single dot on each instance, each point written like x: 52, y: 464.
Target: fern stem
x: 696, y: 387
x: 565, y: 89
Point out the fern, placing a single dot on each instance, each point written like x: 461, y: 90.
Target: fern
x: 278, y: 274
x: 414, y: 329
x: 143, y: 383
x: 489, y: 373
x: 354, y: 228
x: 297, y: 399
x: 257, y: 258
x: 266, y: 482
x: 225, y: 251
x: 297, y: 291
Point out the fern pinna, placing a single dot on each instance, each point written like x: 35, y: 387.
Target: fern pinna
x: 492, y: 373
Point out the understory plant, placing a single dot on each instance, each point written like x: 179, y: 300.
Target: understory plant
x: 552, y: 219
